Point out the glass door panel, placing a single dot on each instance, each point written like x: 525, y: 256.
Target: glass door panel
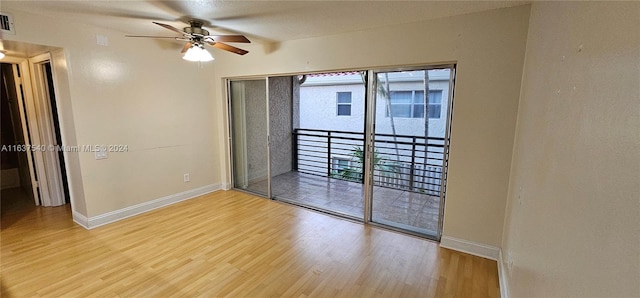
x: 409, y: 156
x: 323, y: 168
x: 249, y: 124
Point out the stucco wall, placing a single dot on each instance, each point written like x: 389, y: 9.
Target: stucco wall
x: 280, y: 124
x: 256, y: 128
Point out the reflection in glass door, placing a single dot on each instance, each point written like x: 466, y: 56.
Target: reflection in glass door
x: 409, y: 155
x: 249, y: 123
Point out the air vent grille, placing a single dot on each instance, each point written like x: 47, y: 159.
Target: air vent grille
x: 6, y: 23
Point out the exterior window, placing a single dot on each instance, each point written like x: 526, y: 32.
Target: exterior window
x: 340, y: 163
x: 410, y: 104
x: 344, y: 103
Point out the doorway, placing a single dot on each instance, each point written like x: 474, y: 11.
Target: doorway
x: 34, y: 139
x: 366, y: 145
x: 17, y: 191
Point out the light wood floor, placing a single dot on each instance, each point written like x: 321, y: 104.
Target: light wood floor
x: 229, y: 244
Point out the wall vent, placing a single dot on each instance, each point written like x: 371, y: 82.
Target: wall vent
x: 6, y: 23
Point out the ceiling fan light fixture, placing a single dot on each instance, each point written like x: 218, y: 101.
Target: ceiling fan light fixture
x: 197, y: 53
x: 1, y: 54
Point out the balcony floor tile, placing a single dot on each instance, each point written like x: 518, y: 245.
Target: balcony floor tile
x: 408, y: 210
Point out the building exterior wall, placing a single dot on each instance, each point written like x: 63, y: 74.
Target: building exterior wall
x: 318, y: 104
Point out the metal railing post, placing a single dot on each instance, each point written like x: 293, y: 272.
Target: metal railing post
x: 413, y: 163
x: 294, y: 152
x: 328, y: 154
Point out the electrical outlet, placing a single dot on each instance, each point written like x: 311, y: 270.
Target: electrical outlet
x: 186, y: 177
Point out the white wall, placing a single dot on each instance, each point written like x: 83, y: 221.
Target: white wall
x: 489, y: 50
x: 573, y: 219
x: 133, y: 92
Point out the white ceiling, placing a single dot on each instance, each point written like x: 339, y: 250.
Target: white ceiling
x: 261, y: 21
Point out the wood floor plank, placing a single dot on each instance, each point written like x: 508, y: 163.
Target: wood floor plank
x: 233, y: 244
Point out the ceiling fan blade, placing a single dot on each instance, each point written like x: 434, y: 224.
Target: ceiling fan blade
x: 170, y: 28
x: 228, y: 38
x: 186, y: 47
x: 226, y: 47
x: 148, y: 36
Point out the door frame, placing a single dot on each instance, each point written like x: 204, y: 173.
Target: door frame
x: 369, y: 135
x: 37, y: 124
x: 370, y: 141
x: 44, y: 135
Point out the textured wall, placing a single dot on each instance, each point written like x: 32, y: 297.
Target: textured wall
x: 280, y: 124
x: 256, y: 124
x: 572, y: 227
x: 295, y: 108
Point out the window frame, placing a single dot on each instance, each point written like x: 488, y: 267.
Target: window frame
x: 338, y: 103
x: 335, y: 162
x: 412, y: 104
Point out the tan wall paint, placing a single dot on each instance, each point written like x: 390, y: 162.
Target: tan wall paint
x: 67, y: 129
x: 489, y: 49
x: 576, y: 163
x: 141, y: 94
x: 134, y: 92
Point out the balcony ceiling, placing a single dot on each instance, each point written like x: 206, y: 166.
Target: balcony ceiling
x: 262, y: 21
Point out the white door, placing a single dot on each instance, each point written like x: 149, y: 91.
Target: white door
x: 42, y: 134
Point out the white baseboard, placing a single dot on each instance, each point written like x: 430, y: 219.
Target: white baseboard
x: 109, y: 217
x: 226, y: 186
x: 502, y: 277
x: 80, y: 219
x: 472, y: 248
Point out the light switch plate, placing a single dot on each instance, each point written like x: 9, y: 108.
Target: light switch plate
x: 102, y: 40
x: 101, y: 153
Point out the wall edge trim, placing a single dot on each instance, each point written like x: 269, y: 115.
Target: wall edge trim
x: 502, y: 276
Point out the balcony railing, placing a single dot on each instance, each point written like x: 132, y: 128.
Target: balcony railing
x: 400, y: 162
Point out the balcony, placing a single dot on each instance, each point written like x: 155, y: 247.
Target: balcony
x: 328, y: 167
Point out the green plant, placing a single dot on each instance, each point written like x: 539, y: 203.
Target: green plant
x: 354, y: 172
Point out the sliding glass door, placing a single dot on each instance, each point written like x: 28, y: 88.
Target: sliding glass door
x: 367, y: 145
x: 409, y: 155
x: 249, y: 123
x: 317, y: 136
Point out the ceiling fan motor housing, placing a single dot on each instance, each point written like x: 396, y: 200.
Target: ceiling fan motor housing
x: 196, y: 29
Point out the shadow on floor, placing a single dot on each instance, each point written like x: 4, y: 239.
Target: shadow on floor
x: 14, y: 203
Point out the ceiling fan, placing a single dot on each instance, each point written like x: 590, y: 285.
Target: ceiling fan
x: 196, y: 38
